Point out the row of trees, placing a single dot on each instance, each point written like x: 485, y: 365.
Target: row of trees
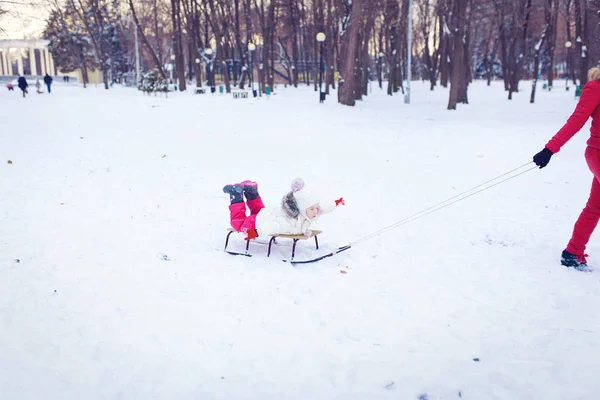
x: 455, y: 41
x: 88, y: 35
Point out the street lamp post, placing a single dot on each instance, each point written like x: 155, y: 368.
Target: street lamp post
x: 137, y: 50
x: 251, y: 48
x: 209, y: 75
x: 321, y: 39
x: 568, y: 45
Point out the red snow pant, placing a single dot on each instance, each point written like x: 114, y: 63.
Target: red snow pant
x: 588, y: 219
x: 239, y: 221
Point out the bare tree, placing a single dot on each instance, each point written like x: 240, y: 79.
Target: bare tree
x: 465, y: 75
x: 537, y: 50
x: 178, y: 43
x: 365, y: 34
x: 444, y: 15
x: 430, y: 34
x: 93, y: 17
x: 391, y: 26
x: 593, y: 25
x: 514, y: 22
x: 145, y: 42
x: 332, y: 43
x: 193, y: 13
x: 350, y: 45
x: 581, y: 31
x: 458, y: 66
x: 550, y: 28
x: 217, y: 20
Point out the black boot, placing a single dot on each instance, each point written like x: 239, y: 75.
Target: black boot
x: 250, y: 190
x: 571, y: 260
x: 235, y: 193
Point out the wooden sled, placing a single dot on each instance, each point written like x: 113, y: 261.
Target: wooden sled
x: 295, y: 238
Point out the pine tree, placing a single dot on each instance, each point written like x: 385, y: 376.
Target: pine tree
x: 153, y: 82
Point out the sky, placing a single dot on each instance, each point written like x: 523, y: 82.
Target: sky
x: 23, y: 21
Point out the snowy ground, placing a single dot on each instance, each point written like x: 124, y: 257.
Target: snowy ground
x: 104, y: 185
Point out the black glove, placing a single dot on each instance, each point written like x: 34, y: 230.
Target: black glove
x: 542, y: 158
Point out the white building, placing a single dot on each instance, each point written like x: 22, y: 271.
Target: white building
x: 40, y: 59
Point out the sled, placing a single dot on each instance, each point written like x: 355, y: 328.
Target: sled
x: 295, y: 238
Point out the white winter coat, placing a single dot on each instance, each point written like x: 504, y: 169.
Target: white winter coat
x: 286, y: 219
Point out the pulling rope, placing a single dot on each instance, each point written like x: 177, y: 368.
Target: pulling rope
x: 436, y: 207
x: 452, y: 200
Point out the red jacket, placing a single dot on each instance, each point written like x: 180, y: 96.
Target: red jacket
x: 588, y: 106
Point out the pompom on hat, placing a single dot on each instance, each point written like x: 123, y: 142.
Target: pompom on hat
x: 303, y: 195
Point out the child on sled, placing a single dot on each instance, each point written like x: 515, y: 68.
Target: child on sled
x: 298, y: 209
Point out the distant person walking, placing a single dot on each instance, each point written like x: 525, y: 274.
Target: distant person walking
x: 48, y: 82
x: 22, y: 83
x: 588, y: 106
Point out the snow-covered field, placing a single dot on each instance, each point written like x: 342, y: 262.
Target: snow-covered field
x: 114, y: 285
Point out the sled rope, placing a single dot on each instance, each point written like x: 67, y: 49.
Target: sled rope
x: 452, y: 200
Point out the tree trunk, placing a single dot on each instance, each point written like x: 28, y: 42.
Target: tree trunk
x: 177, y: 43
x: 536, y: 63
x: 458, y: 66
x: 293, y: 10
x: 249, y: 64
x: 145, y: 42
x: 238, y: 42
x: 550, y: 30
x: 221, y: 55
x: 570, y: 64
x: 581, y: 41
x: 349, y: 48
x: 364, y: 49
x: 331, y: 31
x: 444, y: 47
x: 465, y: 76
x: 593, y: 34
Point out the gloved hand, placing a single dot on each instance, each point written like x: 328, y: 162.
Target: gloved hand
x: 542, y: 158
x: 307, y: 233
x: 340, y: 201
x: 251, y: 234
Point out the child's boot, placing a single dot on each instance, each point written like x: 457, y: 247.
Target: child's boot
x: 235, y: 193
x: 250, y: 190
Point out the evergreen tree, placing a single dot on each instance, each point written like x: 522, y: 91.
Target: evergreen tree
x: 153, y: 82
x: 69, y: 44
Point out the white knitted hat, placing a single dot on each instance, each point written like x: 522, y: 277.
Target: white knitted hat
x: 303, y: 195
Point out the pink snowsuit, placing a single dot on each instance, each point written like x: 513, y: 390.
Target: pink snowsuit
x: 588, y: 106
x: 239, y: 221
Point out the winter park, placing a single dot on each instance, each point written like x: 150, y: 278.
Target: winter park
x: 294, y: 199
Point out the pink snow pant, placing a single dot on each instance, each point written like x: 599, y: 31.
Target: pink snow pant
x: 588, y: 219
x: 239, y: 221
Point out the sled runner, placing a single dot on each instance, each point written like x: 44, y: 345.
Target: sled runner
x: 295, y: 238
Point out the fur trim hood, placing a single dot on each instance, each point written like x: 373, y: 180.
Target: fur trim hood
x: 290, y: 205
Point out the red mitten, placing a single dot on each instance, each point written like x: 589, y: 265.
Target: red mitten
x: 340, y: 200
x: 251, y: 234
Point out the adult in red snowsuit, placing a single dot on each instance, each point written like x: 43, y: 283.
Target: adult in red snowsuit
x: 588, y: 106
